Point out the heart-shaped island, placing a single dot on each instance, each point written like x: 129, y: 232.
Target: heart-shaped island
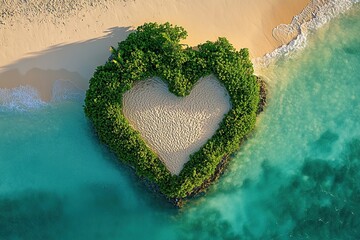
x: 178, y: 141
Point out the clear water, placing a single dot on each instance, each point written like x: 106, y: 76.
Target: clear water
x: 297, y: 177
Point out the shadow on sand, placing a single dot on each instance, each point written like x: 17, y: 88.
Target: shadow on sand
x: 68, y: 65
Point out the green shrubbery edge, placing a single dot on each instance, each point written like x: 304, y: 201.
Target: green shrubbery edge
x: 155, y: 50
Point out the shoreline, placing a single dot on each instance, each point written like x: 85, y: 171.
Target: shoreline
x: 68, y: 47
x: 294, y: 35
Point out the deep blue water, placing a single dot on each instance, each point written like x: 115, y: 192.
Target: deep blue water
x: 296, y: 177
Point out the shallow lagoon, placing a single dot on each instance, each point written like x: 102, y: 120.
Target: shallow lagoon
x: 297, y: 176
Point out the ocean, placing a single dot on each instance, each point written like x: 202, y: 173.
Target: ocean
x: 296, y: 177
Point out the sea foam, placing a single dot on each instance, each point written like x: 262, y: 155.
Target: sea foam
x: 21, y: 98
x: 26, y: 98
x: 316, y: 14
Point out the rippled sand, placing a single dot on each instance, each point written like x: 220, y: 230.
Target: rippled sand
x: 175, y: 127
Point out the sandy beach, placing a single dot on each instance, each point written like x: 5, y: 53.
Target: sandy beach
x: 43, y: 41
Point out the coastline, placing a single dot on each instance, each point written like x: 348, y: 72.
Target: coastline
x: 73, y: 62
x: 299, y: 165
x: 42, y: 46
x: 294, y: 35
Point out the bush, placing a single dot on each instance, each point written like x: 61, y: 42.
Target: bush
x: 155, y: 50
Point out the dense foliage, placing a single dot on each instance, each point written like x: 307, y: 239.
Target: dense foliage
x: 155, y: 50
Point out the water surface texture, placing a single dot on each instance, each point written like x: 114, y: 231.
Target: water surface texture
x: 297, y: 177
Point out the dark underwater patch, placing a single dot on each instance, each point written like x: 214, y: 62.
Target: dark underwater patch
x: 30, y: 215
x: 325, y: 142
x: 353, y: 49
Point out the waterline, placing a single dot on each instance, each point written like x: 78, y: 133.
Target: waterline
x: 296, y: 177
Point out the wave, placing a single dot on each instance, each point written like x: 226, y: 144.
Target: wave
x: 26, y: 98
x: 294, y: 36
x: 21, y: 98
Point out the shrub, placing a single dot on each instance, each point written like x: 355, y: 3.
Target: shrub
x: 155, y: 50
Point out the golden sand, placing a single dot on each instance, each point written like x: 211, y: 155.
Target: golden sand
x: 42, y: 41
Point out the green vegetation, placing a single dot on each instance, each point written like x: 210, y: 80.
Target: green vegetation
x: 155, y: 50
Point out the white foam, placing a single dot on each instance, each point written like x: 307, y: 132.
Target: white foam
x: 25, y: 97
x: 314, y: 16
x: 21, y: 98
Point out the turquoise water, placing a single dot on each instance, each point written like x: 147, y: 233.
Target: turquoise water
x: 297, y: 177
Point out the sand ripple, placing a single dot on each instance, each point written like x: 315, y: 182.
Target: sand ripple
x: 172, y: 126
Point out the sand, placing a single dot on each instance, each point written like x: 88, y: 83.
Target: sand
x: 175, y: 127
x: 42, y: 41
x: 52, y: 47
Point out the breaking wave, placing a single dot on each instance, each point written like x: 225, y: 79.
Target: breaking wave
x: 26, y: 98
x: 294, y: 36
x: 21, y: 98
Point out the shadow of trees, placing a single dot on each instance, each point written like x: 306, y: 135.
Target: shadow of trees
x: 73, y: 63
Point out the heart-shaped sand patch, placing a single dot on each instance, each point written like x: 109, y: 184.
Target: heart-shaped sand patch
x: 155, y: 131
x: 175, y: 127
